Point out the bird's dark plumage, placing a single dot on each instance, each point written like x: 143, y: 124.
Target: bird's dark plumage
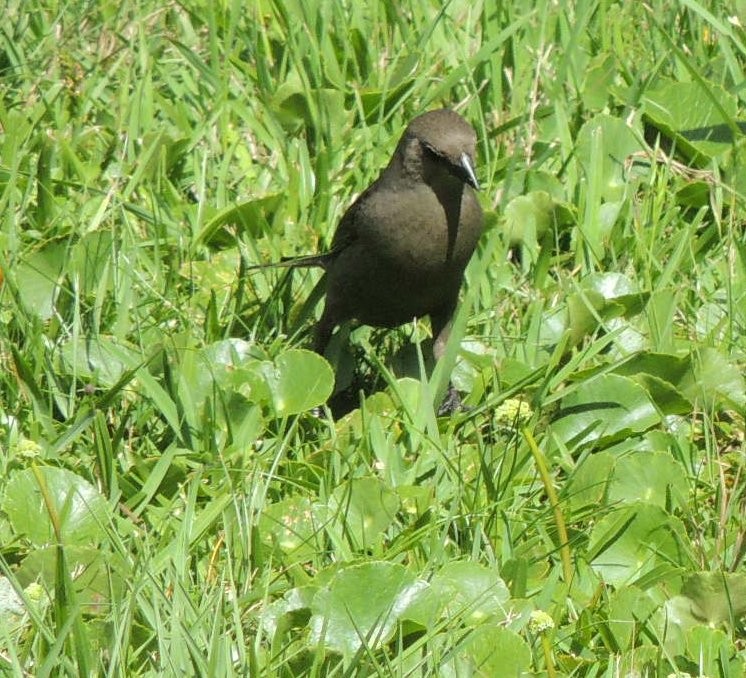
x: 401, y: 248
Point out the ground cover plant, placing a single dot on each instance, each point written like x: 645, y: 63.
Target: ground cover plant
x: 173, y: 502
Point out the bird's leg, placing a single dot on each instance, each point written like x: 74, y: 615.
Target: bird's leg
x: 323, y: 331
x: 442, y: 324
x: 451, y: 403
x: 321, y: 336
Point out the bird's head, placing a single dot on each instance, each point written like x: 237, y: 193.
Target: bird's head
x: 440, y: 142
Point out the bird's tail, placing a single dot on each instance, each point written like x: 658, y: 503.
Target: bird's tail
x: 307, y: 261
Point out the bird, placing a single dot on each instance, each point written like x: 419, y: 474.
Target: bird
x: 400, y: 250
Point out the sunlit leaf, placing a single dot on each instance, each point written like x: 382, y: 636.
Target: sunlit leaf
x: 368, y: 506
x: 362, y: 605
x: 295, y: 527
x: 493, y: 650
x: 37, y: 499
x: 651, y: 477
x: 605, y: 407
x: 617, y: 140
x: 471, y: 590
x: 685, y: 112
x: 627, y: 544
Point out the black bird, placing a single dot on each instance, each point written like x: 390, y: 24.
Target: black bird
x: 401, y: 248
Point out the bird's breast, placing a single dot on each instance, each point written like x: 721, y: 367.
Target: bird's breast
x: 423, y: 232
x: 407, y: 256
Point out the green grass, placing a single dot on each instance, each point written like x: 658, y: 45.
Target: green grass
x: 169, y: 502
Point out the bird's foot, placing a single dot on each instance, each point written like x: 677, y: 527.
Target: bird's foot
x: 451, y: 403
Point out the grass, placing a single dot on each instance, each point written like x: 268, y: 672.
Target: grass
x: 169, y: 503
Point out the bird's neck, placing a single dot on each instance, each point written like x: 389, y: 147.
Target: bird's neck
x: 411, y: 165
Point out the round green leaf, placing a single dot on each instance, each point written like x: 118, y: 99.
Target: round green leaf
x: 492, y: 650
x: 600, y: 75
x: 602, y: 297
x: 368, y: 507
x: 713, y: 652
x: 610, y: 285
x: 629, y: 543
x: 218, y: 364
x: 297, y: 380
x: 614, y: 141
x: 527, y: 218
x: 362, y: 604
x: 588, y: 483
x: 34, y: 497
x: 716, y: 597
x: 470, y: 590
x: 629, y: 607
x: 294, y: 527
x: 99, y: 576
x: 715, y: 378
x: 661, y: 375
x: 651, y: 477
x: 684, y: 111
x: 604, y: 407
x: 37, y: 278
x: 294, y: 606
x: 101, y: 359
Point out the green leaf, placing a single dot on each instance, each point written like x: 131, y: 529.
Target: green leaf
x: 295, y: 606
x: 91, y: 260
x: 362, y: 604
x: 716, y: 597
x: 368, y: 507
x: 588, y: 483
x: 527, y: 218
x: 470, y: 591
x: 603, y: 409
x: 377, y: 103
x: 296, y: 381
x: 615, y: 140
x: 78, y: 509
x: 37, y: 277
x: 294, y: 527
x: 492, y: 650
x: 714, y: 379
x: 661, y: 375
x: 681, y: 110
x: 651, y: 477
x: 713, y: 652
x: 601, y: 298
x: 220, y: 363
x: 629, y: 543
x: 599, y: 77
x: 252, y: 217
x: 101, y: 359
x: 629, y: 610
x: 99, y: 576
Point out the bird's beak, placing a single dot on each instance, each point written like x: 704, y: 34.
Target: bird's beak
x: 468, y: 168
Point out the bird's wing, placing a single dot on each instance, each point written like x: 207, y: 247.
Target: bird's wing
x: 352, y: 223
x: 347, y: 231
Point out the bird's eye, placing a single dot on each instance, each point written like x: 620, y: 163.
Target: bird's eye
x: 432, y: 151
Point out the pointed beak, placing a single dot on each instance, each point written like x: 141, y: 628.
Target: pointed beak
x: 468, y: 168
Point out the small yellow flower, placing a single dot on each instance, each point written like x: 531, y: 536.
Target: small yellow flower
x: 539, y: 622
x: 27, y: 448
x: 513, y: 412
x: 35, y: 592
